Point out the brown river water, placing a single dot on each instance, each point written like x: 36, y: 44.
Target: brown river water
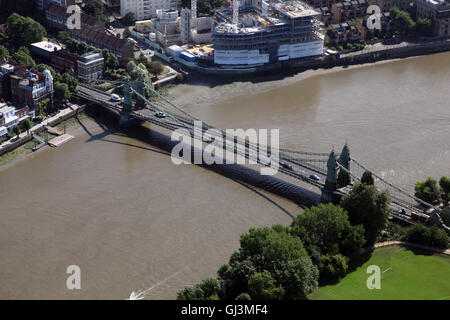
x: 132, y: 221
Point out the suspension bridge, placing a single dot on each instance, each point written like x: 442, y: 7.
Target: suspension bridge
x: 141, y: 102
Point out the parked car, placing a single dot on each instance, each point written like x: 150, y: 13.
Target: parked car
x: 314, y: 177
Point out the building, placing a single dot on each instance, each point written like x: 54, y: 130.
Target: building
x: 146, y: 9
x: 43, y: 4
x: 29, y: 88
x: 121, y: 48
x: 8, y: 118
x: 277, y: 31
x: 44, y: 49
x: 57, y: 18
x: 64, y: 61
x: 348, y: 10
x: 438, y: 11
x: 5, y: 82
x: 90, y: 66
x: 386, y: 5
x: 167, y: 27
x: 341, y: 33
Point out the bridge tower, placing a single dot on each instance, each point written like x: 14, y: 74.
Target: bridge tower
x: 344, y: 158
x: 139, y: 87
x: 328, y: 191
x: 127, y: 104
x: 344, y: 161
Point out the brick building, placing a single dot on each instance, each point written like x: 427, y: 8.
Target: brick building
x: 57, y: 17
x: 29, y: 88
x: 121, y: 48
x: 64, y: 60
x: 438, y: 11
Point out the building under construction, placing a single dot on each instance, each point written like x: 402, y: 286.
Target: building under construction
x: 259, y: 32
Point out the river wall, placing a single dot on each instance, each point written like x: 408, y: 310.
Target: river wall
x: 39, y: 128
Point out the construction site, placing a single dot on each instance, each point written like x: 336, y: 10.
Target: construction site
x: 251, y: 33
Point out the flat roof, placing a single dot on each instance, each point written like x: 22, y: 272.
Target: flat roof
x: 294, y: 9
x: 47, y: 46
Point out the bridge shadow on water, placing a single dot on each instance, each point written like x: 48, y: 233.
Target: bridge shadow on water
x: 241, y: 174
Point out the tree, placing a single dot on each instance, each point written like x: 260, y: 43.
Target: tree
x: 403, y: 21
x: 28, y: 125
x: 298, y: 277
x: 333, y: 267
x: 17, y: 130
x: 327, y: 228
x: 427, y: 190
x: 71, y: 82
x: 25, y: 29
x: 368, y: 207
x: 4, y: 52
x: 191, y: 293
x: 126, y: 33
x: 210, y: 287
x: 444, y: 183
x: 262, y: 286
x: 367, y: 178
x: 156, y: 67
x: 42, y: 106
x: 63, y: 36
x: 424, y: 26
x: 61, y: 91
x: 264, y: 246
x: 129, y: 19
x: 41, y: 67
x: 22, y: 56
x: 243, y: 296
x: 343, y: 178
x: 427, y: 235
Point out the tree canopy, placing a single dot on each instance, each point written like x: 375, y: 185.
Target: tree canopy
x: 427, y: 190
x: 25, y: 29
x: 368, y: 207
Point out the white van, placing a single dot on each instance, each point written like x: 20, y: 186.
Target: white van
x: 115, y: 97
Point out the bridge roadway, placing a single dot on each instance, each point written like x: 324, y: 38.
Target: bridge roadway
x: 172, y: 122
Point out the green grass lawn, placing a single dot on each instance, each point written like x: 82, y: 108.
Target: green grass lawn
x: 411, y: 274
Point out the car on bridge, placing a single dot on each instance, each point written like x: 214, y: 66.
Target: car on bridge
x: 314, y: 177
x: 286, y: 165
x: 115, y: 97
x: 160, y: 114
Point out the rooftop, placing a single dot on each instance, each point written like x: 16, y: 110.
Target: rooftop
x: 47, y: 46
x: 90, y: 56
x: 294, y: 9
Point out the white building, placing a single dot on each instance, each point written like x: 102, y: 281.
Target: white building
x: 146, y: 9
x: 8, y: 116
x: 90, y: 66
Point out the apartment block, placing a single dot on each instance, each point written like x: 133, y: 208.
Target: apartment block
x: 146, y: 9
x: 90, y: 66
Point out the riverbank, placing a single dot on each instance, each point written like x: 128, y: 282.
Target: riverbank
x: 198, y: 90
x: 23, y: 147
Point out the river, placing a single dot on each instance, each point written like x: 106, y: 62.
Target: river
x: 131, y: 220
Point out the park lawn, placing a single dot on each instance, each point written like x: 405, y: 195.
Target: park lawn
x: 415, y: 274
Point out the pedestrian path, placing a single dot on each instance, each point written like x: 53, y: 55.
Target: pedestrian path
x: 411, y: 244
